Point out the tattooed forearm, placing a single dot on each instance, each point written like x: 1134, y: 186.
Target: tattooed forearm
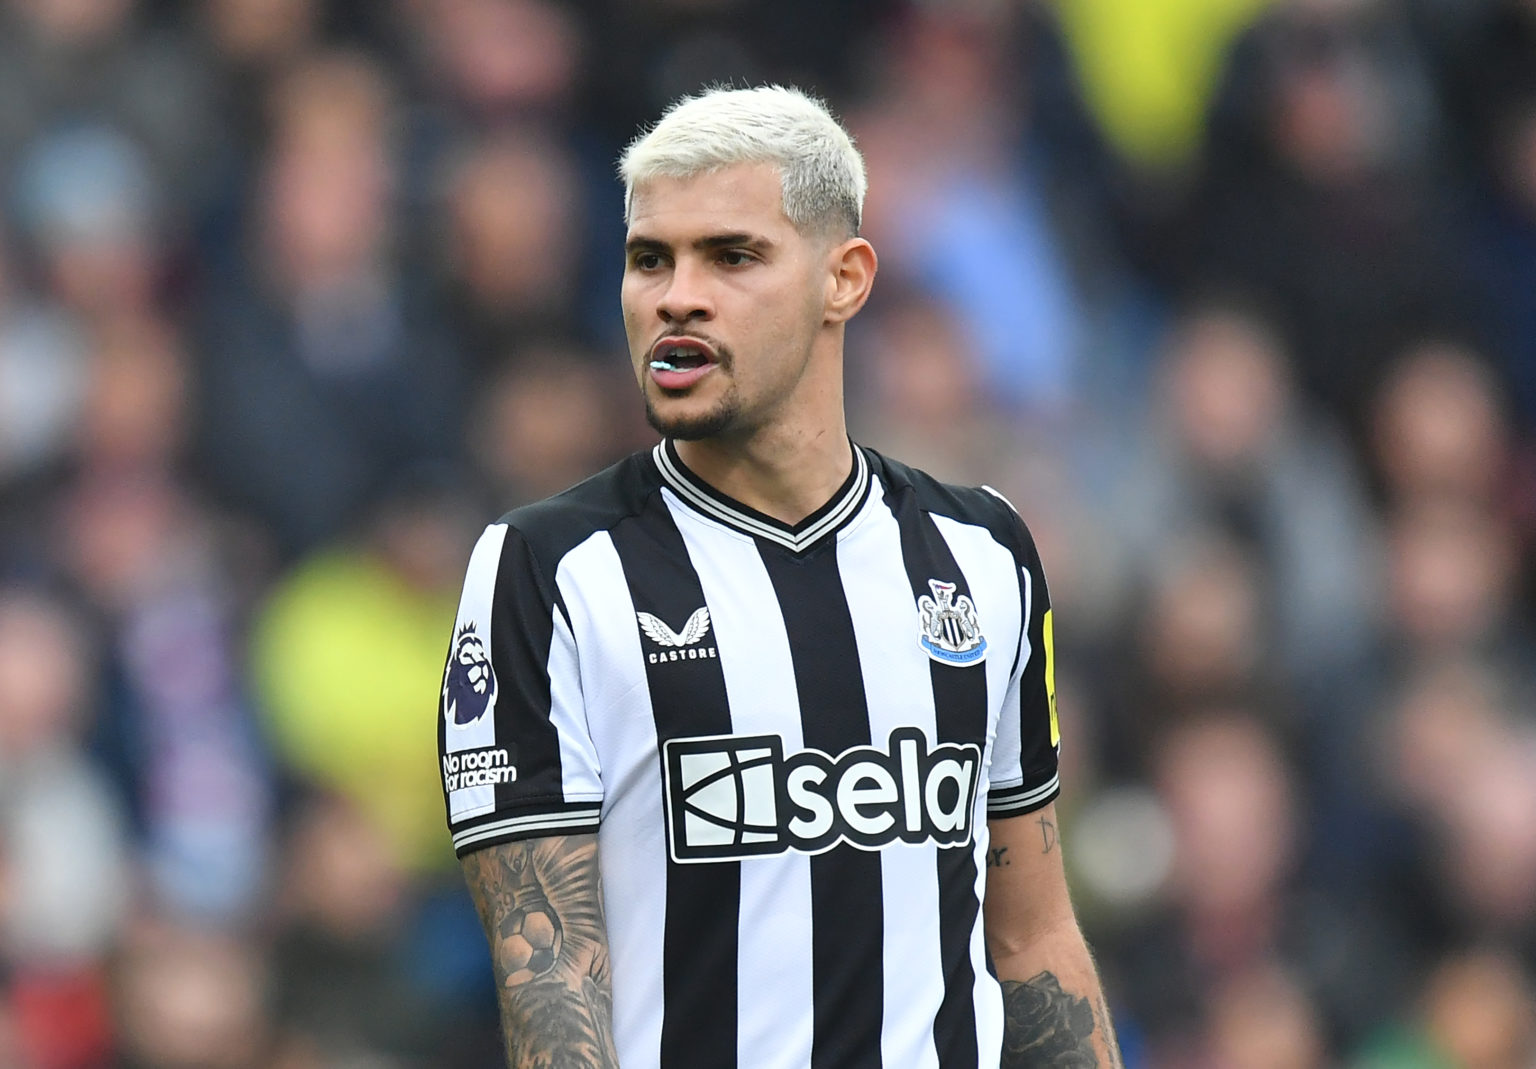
x: 541, y: 906
x: 1046, y: 1026
x: 553, y: 1025
x: 1048, y: 835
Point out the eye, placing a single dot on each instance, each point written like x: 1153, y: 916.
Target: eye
x: 736, y: 257
x: 645, y: 261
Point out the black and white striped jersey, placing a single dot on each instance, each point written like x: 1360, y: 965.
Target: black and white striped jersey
x: 787, y: 739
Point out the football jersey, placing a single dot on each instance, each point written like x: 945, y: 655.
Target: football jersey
x: 787, y: 738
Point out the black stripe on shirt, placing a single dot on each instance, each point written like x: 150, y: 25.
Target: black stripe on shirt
x: 688, y: 698
x: 847, y: 916
x: 960, y: 714
x: 522, y: 629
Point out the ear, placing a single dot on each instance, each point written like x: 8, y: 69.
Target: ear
x: 851, y: 275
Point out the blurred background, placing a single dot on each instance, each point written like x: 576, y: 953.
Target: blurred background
x: 1236, y: 299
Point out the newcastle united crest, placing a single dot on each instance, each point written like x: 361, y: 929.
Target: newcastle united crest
x: 949, y: 630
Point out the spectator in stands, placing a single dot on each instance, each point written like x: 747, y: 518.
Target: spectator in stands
x: 1439, y: 430
x: 105, y: 62
x: 321, y: 378
x: 1320, y: 196
x: 1452, y: 590
x: 1229, y: 446
x: 1474, y: 1012
x: 348, y: 649
x: 548, y: 417
x: 514, y: 237
x: 135, y: 536
x: 1505, y: 255
x: 964, y: 205
x: 87, y: 203
x: 63, y: 848
x: 342, y: 981
x: 1265, y: 1019
x: 489, y: 62
x: 43, y: 375
x: 188, y: 998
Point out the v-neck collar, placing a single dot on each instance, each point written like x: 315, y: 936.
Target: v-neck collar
x: 797, y: 538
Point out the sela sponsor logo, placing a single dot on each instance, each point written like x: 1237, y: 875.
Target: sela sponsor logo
x: 677, y: 645
x: 485, y: 767
x: 737, y: 796
x: 469, y: 683
x: 947, y: 626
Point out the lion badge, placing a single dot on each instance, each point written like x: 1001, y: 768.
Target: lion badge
x: 469, y: 684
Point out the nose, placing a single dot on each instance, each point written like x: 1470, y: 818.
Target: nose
x: 686, y: 296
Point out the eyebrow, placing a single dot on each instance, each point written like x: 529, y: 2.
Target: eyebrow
x: 707, y: 243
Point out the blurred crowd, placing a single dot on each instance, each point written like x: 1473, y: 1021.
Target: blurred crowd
x: 1235, y: 298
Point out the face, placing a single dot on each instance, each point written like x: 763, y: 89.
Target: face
x: 723, y: 301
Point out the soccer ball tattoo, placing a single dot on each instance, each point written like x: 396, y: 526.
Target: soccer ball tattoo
x: 530, y: 937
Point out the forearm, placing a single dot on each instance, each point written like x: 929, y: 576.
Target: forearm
x: 1054, y: 1010
x: 540, y: 903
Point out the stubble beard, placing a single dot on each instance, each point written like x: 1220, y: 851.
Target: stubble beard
x: 718, y: 420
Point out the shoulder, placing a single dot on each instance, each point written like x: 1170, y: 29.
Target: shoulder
x: 551, y: 528
x: 978, y: 506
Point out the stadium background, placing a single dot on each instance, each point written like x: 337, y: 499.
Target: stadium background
x: 1235, y: 299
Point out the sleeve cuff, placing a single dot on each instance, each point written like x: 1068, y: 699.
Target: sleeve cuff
x: 569, y: 820
x: 1018, y: 800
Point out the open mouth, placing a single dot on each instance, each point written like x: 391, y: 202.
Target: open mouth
x: 678, y: 362
x: 679, y: 354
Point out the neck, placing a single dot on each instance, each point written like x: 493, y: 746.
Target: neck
x: 787, y: 474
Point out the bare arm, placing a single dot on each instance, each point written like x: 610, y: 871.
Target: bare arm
x: 540, y: 901
x: 1053, y: 1006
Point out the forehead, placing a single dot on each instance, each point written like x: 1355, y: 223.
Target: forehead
x: 743, y: 196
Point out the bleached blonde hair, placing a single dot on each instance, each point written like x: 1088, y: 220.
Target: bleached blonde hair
x: 821, y: 172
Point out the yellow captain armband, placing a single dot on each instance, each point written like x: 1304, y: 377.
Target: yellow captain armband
x: 1049, y: 630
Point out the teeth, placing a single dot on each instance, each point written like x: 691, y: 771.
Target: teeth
x: 667, y: 359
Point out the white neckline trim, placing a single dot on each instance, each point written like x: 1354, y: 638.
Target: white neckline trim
x: 680, y: 482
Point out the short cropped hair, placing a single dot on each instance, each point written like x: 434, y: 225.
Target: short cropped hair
x: 821, y: 172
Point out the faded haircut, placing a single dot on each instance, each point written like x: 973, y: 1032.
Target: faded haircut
x: 821, y: 172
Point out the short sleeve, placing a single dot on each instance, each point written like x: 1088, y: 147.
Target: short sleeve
x: 516, y: 758
x: 1025, y: 754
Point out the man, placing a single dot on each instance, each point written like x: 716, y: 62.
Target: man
x: 748, y: 742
